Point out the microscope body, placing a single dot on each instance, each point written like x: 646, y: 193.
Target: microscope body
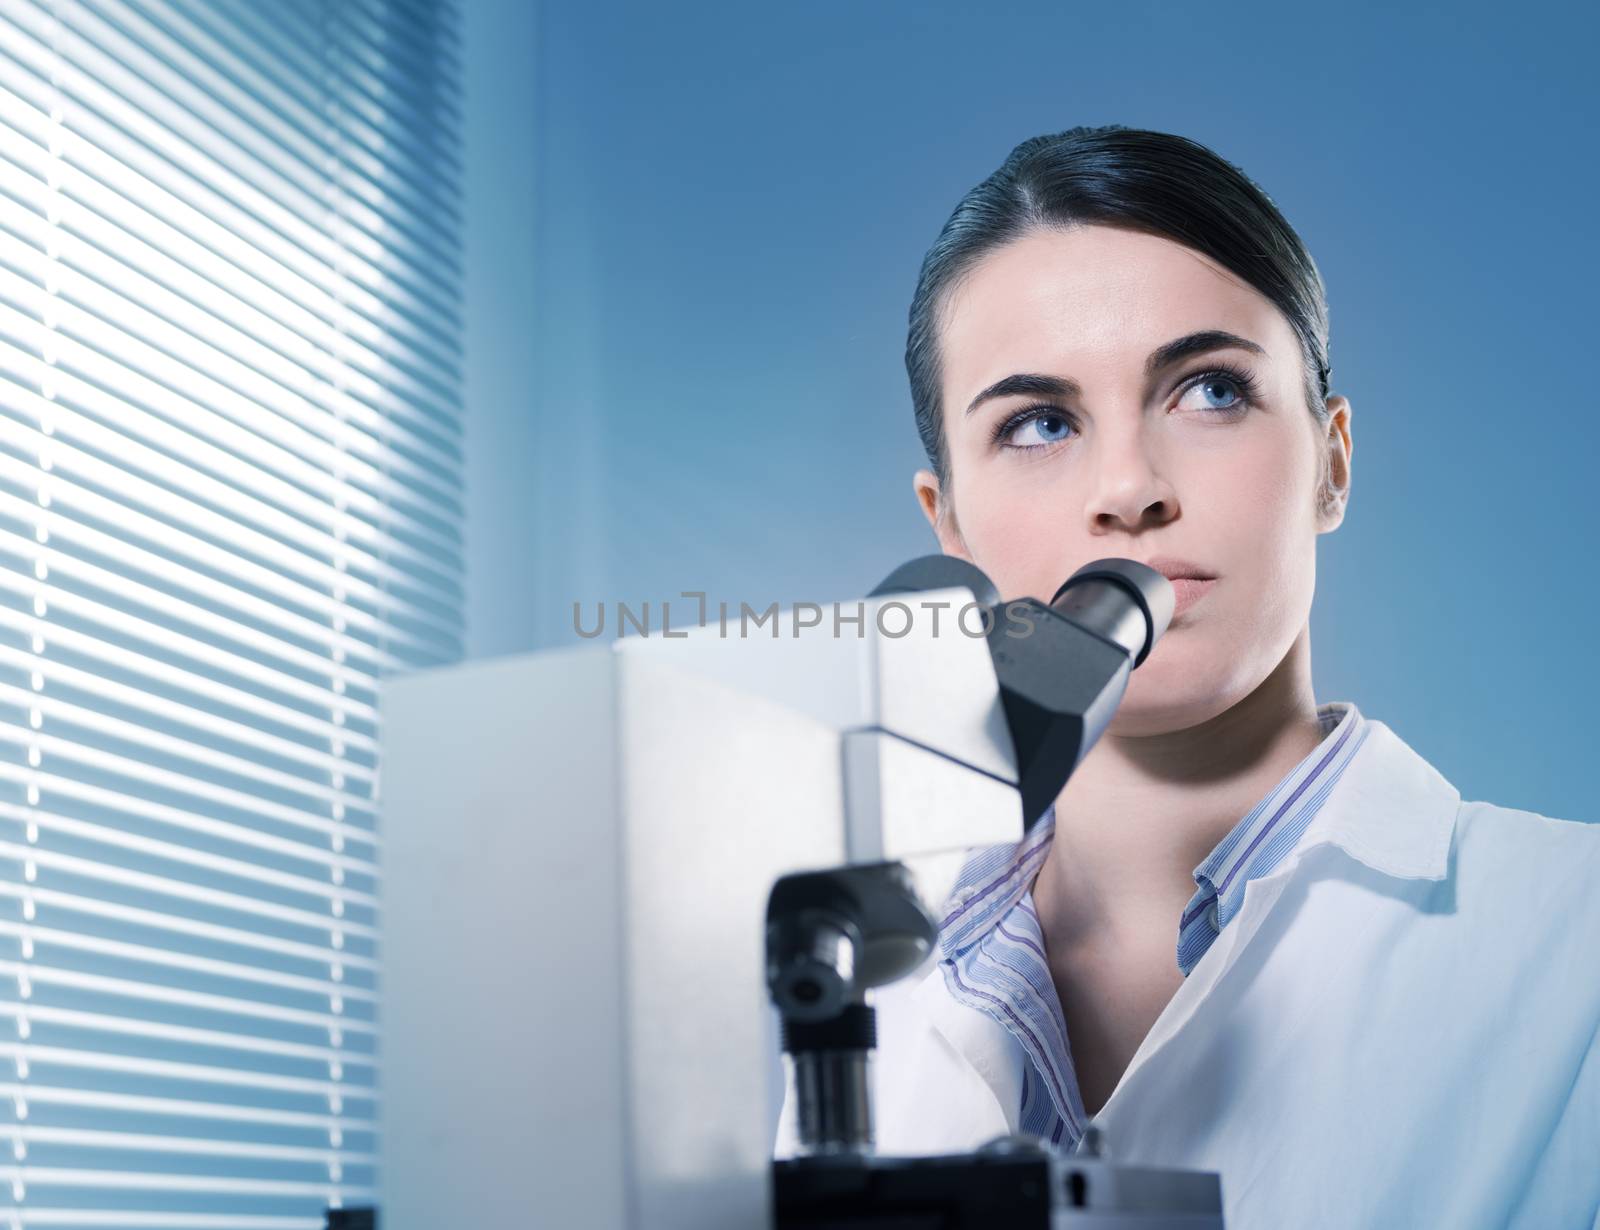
x: 579, y: 851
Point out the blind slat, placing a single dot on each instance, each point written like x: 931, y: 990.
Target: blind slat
x: 177, y: 924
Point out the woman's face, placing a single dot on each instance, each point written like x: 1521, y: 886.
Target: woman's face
x: 1112, y: 449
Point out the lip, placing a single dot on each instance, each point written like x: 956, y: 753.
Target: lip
x: 1187, y: 591
x: 1190, y: 582
x: 1175, y: 569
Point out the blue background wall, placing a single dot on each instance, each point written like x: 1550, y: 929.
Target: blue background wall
x: 693, y: 232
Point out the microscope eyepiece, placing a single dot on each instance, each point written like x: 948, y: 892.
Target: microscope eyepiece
x: 1097, y: 596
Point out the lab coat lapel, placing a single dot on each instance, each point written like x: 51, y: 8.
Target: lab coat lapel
x: 1391, y: 810
x: 984, y: 1052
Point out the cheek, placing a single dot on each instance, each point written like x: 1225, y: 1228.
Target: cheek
x: 1260, y: 496
x: 1019, y: 536
x: 1259, y: 528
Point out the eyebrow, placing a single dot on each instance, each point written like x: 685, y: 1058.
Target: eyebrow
x: 1035, y: 385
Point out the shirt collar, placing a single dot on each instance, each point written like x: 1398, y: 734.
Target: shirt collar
x: 993, y: 880
x: 1341, y: 733
x: 1268, y: 834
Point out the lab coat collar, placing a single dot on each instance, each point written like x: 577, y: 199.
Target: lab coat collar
x: 1391, y: 810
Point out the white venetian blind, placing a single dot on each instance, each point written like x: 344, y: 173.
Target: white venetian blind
x: 230, y: 502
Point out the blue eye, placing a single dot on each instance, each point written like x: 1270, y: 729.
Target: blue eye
x: 1035, y: 427
x: 1222, y: 386
x: 1236, y: 384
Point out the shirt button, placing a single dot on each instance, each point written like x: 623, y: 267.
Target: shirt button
x: 1211, y: 915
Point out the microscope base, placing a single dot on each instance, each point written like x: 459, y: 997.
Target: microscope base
x: 1022, y: 1190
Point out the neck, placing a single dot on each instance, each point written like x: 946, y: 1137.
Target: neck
x: 1141, y: 812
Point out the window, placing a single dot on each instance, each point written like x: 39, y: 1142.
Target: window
x: 230, y: 503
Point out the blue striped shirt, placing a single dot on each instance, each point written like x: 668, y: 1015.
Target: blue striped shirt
x: 992, y: 950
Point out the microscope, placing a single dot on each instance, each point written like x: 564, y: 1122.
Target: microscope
x: 621, y: 878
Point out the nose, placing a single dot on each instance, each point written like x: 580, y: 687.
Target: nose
x: 1128, y: 492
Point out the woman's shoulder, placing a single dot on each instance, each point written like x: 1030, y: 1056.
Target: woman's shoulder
x: 1518, y: 827
x: 1551, y: 859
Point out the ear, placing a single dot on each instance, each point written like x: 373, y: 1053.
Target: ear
x: 941, y: 516
x: 1336, y: 490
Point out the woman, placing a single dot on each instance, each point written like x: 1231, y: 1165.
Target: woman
x: 1255, y: 935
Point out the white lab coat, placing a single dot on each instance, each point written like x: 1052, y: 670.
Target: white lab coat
x: 1398, y: 1029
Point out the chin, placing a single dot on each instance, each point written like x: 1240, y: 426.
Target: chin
x: 1168, y: 694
